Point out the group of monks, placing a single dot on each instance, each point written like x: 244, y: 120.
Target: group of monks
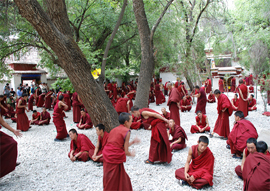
x: 112, y: 148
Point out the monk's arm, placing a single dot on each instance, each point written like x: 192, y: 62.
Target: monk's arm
x: 62, y: 104
x: 135, y: 141
x: 96, y: 150
x: 20, y: 104
x: 197, y: 95
x: 207, y: 123
x: 128, y: 105
x: 168, y: 132
x: 177, y: 141
x: 187, y: 163
x: 243, y: 160
x: 198, y: 125
x: 126, y: 145
x: 152, y: 114
x: 7, y: 126
x: 240, y: 92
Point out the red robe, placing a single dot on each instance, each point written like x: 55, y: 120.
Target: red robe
x: 76, y: 104
x: 221, y: 85
x: 200, y: 123
x: 256, y: 174
x: 10, y: 113
x: 30, y: 102
x: 174, y: 98
x: 181, y: 91
x: 121, y: 105
x: 40, y: 102
x: 241, y: 132
x: 48, y: 100
x: 86, y: 120
x: 159, y: 95
x: 251, y: 89
x: 201, y: 167
x: 67, y: 101
x: 209, y: 86
x: 251, y: 79
x: 114, y: 89
x: 37, y: 116
x: 243, y: 105
x: 59, y: 122
x: 45, y: 116
x: 102, y: 142
x: 211, y: 98
x: 201, y: 102
x: 167, y: 116
x: 160, y: 145
x: 136, y: 123
x: 235, y: 104
x: 185, y: 103
x: 176, y: 134
x: 251, y: 103
x: 82, y: 144
x: 233, y: 83
x: 3, y: 103
x: 22, y: 119
x: 222, y: 126
x: 114, y: 174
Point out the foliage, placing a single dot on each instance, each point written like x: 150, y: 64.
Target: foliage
x: 63, y: 84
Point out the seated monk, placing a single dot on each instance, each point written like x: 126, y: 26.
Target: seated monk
x: 202, y: 124
x: 14, y: 119
x: 45, y: 117
x: 251, y: 148
x: 241, y: 132
x: 35, y: 118
x: 189, y: 98
x: 165, y: 113
x: 179, y: 136
x: 252, y: 103
x: 10, y: 112
x: 79, y: 146
x: 251, y: 89
x: 256, y: 170
x: 211, y: 98
x: 199, y: 172
x: 85, y: 121
x: 96, y: 154
x: 235, y: 102
x: 185, y: 105
x: 122, y: 105
x: 136, y: 122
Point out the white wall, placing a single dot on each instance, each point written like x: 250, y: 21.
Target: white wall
x: 215, y: 83
x: 168, y: 76
x: 43, y: 78
x: 15, y: 81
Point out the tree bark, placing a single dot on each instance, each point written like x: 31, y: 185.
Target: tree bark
x: 56, y: 33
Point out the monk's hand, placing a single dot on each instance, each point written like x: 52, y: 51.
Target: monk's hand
x: 149, y: 128
x: 171, y: 145
x: 133, y: 153
x: 136, y: 140
x: 17, y: 133
x: 187, y: 176
x: 6, y: 109
x: 192, y: 179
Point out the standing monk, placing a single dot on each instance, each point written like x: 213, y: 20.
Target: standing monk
x: 123, y: 105
x: 31, y: 102
x: 58, y: 120
x: 8, y: 148
x: 224, y: 108
x: 22, y: 119
x: 48, y: 100
x: 76, y: 104
x: 179, y: 136
x: 160, y: 145
x: 200, y: 171
x: 233, y: 83
x: 201, y: 100
x: 241, y: 132
x: 173, y: 103
x: 67, y: 100
x: 243, y: 98
x: 159, y: 95
x: 208, y: 85
x: 114, y: 155
x: 221, y: 85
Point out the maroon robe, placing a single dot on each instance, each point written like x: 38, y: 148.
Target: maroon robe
x: 201, y: 124
x: 241, y: 132
x: 114, y: 174
x: 67, y: 101
x: 86, y: 120
x: 30, y: 102
x: 102, y: 142
x: 235, y: 104
x: 174, y: 98
x: 121, y: 105
x: 8, y: 154
x: 176, y: 134
x: 211, y: 98
x: 221, y: 85
x: 22, y: 119
x: 167, y: 116
x: 256, y: 174
x: 76, y: 104
x: 48, y: 100
x: 82, y: 144
x: 243, y: 105
x: 185, y: 103
x: 136, y: 123
x: 37, y: 116
x: 59, y: 122
x: 159, y: 95
x: 114, y: 89
x: 40, y: 102
x: 222, y: 126
x: 3, y: 103
x: 159, y: 145
x: 44, y: 116
x: 10, y: 113
x: 209, y: 86
x: 251, y: 103
x: 251, y: 89
x: 201, y: 102
x: 201, y: 168
x: 233, y: 83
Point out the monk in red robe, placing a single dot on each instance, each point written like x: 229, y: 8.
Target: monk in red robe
x: 173, y: 103
x: 252, y: 103
x: 159, y: 95
x: 45, y: 117
x: 96, y: 154
x: 165, y: 88
x: 181, y: 89
x: 243, y: 98
x: 189, y: 98
x: 77, y: 105
x: 114, y: 155
x: 85, y: 121
x: 201, y: 100
x: 256, y: 170
x: 179, y: 137
x: 22, y: 119
x: 235, y: 102
x: 10, y: 113
x: 221, y: 85
x: 199, y: 172
x: 58, y: 120
x: 40, y: 102
x: 114, y: 90
x: 208, y: 84
x: 8, y: 148
x: 233, y: 84
x: 211, y: 98
x: 224, y: 109
x: 250, y: 149
x: 31, y: 102
x: 185, y: 105
x: 67, y: 101
x: 3, y: 105
x: 35, y: 118
x: 251, y: 89
x: 36, y: 94
x: 160, y: 146
x: 79, y: 146
x: 48, y: 100
x: 202, y: 124
x: 136, y: 123
x: 165, y: 113
x: 241, y: 132
x: 122, y: 105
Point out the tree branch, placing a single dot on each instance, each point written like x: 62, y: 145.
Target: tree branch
x: 124, y: 41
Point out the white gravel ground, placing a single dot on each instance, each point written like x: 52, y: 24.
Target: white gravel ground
x: 46, y: 166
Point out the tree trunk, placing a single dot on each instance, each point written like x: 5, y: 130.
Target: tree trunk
x: 56, y: 33
x: 147, y: 61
